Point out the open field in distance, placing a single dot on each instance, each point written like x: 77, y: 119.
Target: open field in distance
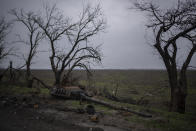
x: 132, y: 84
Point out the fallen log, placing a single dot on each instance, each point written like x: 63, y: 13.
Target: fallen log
x: 81, y: 95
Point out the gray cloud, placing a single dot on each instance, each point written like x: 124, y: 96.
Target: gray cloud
x: 124, y: 44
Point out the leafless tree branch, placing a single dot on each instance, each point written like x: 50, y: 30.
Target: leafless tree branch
x: 34, y: 35
x: 56, y: 27
x: 4, y: 30
x: 168, y: 26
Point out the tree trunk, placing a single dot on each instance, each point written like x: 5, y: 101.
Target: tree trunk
x: 28, y: 75
x: 178, y: 90
x: 178, y: 96
x: 178, y: 101
x: 28, y: 72
x: 57, y: 78
x: 11, y: 72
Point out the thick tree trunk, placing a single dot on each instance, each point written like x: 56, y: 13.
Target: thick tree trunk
x: 64, y: 80
x: 57, y: 78
x: 178, y: 85
x: 178, y: 101
x: 178, y: 95
x: 57, y: 73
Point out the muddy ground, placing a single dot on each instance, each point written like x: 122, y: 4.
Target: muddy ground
x: 22, y: 113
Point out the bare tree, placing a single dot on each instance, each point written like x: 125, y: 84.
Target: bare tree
x: 169, y: 26
x: 90, y: 23
x: 76, y: 35
x: 5, y: 49
x: 4, y: 30
x: 34, y: 38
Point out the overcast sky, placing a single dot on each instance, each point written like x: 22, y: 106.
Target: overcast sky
x: 124, y: 44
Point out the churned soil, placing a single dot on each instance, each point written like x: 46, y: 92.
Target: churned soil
x: 22, y: 113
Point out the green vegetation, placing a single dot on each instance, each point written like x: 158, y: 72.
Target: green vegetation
x: 22, y: 90
x: 152, y: 85
x: 163, y: 120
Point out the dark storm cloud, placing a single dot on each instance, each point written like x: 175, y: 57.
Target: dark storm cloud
x: 124, y: 44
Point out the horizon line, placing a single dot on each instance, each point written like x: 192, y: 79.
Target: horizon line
x: 106, y: 69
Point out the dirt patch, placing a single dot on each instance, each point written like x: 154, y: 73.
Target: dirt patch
x: 21, y: 113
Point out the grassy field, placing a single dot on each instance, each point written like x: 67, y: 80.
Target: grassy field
x: 149, y: 85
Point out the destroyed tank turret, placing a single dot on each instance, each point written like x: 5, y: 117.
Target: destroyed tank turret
x: 74, y: 92
x: 69, y: 92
